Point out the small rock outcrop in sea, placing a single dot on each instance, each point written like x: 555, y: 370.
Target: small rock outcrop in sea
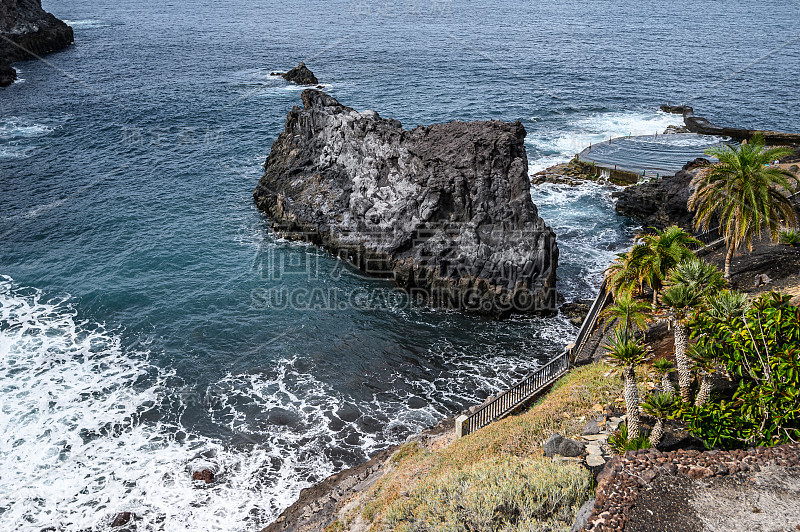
x: 206, y: 475
x: 27, y: 31
x: 444, y: 210
x: 661, y: 202
x: 301, y: 75
x: 702, y: 126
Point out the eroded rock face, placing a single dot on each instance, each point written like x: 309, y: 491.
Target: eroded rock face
x: 444, y: 210
x: 31, y: 32
x: 662, y: 202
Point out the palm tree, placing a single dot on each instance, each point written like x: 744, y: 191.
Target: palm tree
x: 656, y: 253
x: 658, y: 405
x: 702, y: 277
x: 678, y: 301
x: 630, y: 311
x: 743, y: 194
x: 665, y: 367
x: 624, y: 350
x: 621, y: 275
x: 705, y: 361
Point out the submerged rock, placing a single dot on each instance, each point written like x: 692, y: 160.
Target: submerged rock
x: 122, y: 519
x: 301, y: 75
x: 444, y: 210
x: 206, y: 475
x: 27, y: 31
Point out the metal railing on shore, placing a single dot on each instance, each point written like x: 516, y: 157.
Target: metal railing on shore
x: 511, y: 399
x: 523, y: 391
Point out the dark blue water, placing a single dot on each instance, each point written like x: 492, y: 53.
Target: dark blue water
x: 140, y: 333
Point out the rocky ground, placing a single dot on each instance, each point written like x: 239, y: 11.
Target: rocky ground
x: 650, y: 490
x: 28, y: 31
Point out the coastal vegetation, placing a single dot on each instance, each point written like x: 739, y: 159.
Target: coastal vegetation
x: 744, y: 194
x: 497, y: 478
x: 717, y: 332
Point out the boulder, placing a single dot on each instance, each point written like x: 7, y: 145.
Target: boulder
x: 301, y: 75
x: 28, y: 31
x: 122, y: 519
x: 558, y: 444
x: 206, y: 475
x: 7, y: 75
x: 582, y: 517
x: 662, y: 202
x: 444, y: 210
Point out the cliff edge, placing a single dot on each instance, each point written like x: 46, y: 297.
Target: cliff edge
x: 27, y: 31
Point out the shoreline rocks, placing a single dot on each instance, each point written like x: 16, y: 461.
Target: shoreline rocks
x: 702, y: 126
x: 444, y: 210
x: 28, y: 31
x: 661, y: 202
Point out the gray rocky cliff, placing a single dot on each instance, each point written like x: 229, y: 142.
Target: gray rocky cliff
x: 26, y: 31
x: 445, y: 210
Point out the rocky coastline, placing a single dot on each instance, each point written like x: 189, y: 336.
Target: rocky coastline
x: 703, y: 126
x: 27, y: 31
x: 444, y: 210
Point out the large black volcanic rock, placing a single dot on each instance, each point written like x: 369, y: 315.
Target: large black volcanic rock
x: 300, y: 75
x: 27, y: 31
x: 444, y: 210
x: 662, y: 202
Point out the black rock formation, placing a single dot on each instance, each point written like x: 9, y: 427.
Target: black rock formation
x: 27, y: 31
x: 702, y: 126
x: 661, y: 202
x: 444, y: 210
x: 301, y: 75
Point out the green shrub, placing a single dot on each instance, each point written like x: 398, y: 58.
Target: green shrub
x: 497, y: 494
x: 760, y: 349
x: 620, y: 442
x: 790, y: 238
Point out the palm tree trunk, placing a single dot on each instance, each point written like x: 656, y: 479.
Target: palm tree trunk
x: 705, y: 390
x: 728, y: 260
x: 655, y: 297
x: 656, y: 433
x: 632, y: 402
x: 682, y: 361
x: 666, y: 384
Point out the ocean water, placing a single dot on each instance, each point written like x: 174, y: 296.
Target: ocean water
x: 150, y: 323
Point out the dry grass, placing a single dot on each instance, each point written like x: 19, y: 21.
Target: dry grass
x: 496, y: 479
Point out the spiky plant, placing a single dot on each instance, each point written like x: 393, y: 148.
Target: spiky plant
x: 727, y: 305
x: 656, y: 253
x: 658, y: 405
x: 790, y: 238
x: 678, y: 302
x: 630, y: 311
x: 702, y: 277
x: 705, y: 362
x: 744, y: 195
x: 625, y: 351
x: 665, y: 367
